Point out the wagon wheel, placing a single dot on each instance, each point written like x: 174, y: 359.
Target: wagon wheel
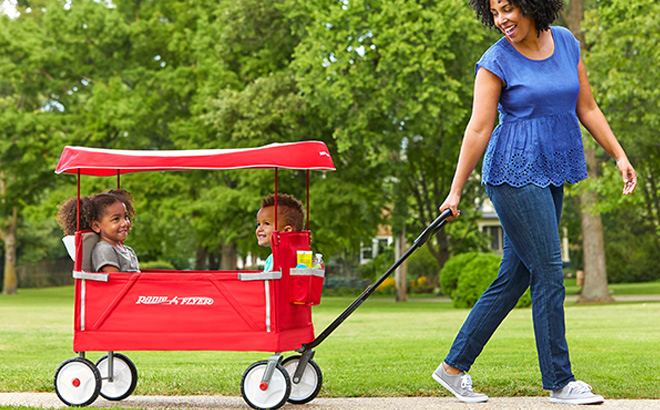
x: 261, y: 396
x: 124, y: 377
x: 310, y: 382
x: 77, y: 382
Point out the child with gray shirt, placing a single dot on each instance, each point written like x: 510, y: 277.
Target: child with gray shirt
x: 109, y: 214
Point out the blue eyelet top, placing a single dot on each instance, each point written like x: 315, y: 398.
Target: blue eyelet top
x: 538, y: 139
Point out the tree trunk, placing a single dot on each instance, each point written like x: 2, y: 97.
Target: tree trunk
x: 228, y: 261
x: 595, y: 275
x: 401, y: 272
x: 201, y: 256
x: 213, y: 264
x: 10, y: 284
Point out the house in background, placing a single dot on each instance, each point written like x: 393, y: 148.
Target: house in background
x: 490, y: 225
x: 383, y: 239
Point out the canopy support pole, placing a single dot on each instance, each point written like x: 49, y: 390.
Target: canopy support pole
x: 78, y: 204
x: 275, y: 228
x: 308, y: 200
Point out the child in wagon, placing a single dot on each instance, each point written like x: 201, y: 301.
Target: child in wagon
x: 289, y: 218
x: 110, y: 215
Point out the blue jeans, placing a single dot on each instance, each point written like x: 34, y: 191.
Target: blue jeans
x: 531, y: 257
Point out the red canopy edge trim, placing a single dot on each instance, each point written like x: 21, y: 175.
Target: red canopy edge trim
x: 313, y: 155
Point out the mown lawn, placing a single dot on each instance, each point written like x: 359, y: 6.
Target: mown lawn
x: 618, y: 289
x: 384, y: 349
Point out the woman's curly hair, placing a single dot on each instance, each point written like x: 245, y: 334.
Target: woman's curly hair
x: 543, y: 12
x: 91, y: 209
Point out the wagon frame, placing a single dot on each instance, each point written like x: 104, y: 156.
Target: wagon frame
x: 165, y: 310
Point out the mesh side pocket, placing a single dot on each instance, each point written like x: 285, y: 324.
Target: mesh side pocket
x: 305, y: 286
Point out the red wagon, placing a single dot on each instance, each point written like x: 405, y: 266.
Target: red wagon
x: 195, y: 310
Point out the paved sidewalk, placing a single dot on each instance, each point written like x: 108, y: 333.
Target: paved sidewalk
x: 50, y: 400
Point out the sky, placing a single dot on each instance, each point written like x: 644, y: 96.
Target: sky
x: 8, y: 7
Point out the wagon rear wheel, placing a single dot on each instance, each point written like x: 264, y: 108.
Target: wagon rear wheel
x: 310, y: 383
x: 261, y: 396
x: 124, y: 377
x: 77, y: 382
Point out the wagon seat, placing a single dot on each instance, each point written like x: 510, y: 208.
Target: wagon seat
x: 89, y: 240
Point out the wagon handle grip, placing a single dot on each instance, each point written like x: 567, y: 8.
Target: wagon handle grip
x: 434, y: 227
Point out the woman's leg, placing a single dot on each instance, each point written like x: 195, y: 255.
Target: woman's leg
x: 530, y: 217
x: 490, y: 310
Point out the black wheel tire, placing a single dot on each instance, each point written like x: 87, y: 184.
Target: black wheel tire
x: 310, y: 383
x: 77, y: 382
x: 124, y: 378
x: 277, y: 393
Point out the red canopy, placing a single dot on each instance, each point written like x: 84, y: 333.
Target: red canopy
x: 108, y: 162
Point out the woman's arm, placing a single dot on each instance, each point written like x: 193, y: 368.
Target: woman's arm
x: 487, y: 90
x: 594, y: 121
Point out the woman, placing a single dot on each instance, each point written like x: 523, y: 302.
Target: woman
x: 535, y: 77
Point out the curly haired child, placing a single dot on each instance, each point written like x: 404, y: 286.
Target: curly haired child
x: 110, y: 215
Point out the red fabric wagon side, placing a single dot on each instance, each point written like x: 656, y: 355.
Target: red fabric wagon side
x: 195, y: 310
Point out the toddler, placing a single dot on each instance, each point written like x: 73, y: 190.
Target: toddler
x: 289, y: 218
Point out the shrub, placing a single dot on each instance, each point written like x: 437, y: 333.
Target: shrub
x: 422, y: 264
x: 378, y: 266
x: 452, y: 270
x: 475, y: 278
x: 631, y: 258
x: 156, y: 265
x: 344, y: 286
x: 387, y: 287
x: 421, y: 285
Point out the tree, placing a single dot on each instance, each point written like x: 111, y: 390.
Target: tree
x: 396, y: 92
x: 595, y: 276
x: 627, y: 87
x: 29, y: 127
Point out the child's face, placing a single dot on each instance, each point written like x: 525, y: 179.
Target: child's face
x: 266, y: 225
x: 114, y: 225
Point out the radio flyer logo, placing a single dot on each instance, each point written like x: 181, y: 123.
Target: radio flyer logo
x: 175, y: 300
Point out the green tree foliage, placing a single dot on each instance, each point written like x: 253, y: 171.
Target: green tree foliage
x: 386, y: 84
x: 623, y: 41
x: 396, y: 90
x: 29, y: 127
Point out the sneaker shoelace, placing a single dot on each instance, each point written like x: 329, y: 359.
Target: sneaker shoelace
x: 466, y: 382
x: 578, y: 387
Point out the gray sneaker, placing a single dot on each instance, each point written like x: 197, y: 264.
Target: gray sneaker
x: 459, y: 385
x: 575, y: 392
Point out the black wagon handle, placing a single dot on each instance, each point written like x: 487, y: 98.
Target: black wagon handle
x: 421, y: 240
x: 433, y: 227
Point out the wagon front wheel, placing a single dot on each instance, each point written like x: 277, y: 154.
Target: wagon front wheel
x: 77, y: 382
x: 260, y: 395
x: 124, y: 377
x: 310, y: 383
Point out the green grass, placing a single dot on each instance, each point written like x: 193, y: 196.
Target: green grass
x: 383, y: 349
x: 617, y: 289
